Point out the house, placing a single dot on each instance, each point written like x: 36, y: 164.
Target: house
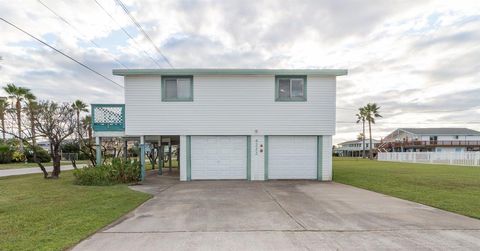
x: 250, y: 124
x: 354, y: 148
x: 431, y: 140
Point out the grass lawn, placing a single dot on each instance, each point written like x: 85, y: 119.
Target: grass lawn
x: 452, y: 188
x: 39, y: 214
x: 24, y: 165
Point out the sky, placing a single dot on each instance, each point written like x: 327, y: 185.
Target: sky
x: 418, y: 60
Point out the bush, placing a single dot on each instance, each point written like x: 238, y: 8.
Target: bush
x: 5, y: 154
x: 18, y: 156
x: 120, y: 171
x: 42, y: 155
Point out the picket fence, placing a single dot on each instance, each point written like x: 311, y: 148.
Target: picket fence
x: 446, y: 158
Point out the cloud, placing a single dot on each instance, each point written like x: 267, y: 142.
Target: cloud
x: 417, y: 59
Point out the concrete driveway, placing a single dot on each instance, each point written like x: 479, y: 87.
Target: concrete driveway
x: 281, y: 215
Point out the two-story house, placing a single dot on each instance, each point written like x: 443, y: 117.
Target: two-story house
x: 354, y: 148
x: 250, y: 124
x: 431, y: 140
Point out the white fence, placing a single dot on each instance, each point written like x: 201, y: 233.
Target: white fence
x: 446, y: 158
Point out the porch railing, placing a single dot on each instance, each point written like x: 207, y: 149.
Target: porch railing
x: 108, y: 117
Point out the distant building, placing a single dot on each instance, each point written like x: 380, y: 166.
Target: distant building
x: 354, y: 148
x: 431, y: 140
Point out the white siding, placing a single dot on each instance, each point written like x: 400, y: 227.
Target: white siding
x: 229, y: 105
x: 257, y: 158
x: 327, y: 157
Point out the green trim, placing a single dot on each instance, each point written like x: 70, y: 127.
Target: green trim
x: 319, y: 157
x: 189, y: 158
x: 142, y: 161
x: 174, y: 72
x: 249, y: 158
x: 265, y: 143
x: 165, y: 99
x: 291, y: 99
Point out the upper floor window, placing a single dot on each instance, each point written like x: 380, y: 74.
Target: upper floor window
x: 290, y: 88
x: 178, y: 88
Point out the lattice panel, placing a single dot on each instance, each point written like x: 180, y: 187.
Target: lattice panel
x: 108, y: 115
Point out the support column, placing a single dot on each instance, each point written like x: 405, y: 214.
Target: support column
x: 125, y: 148
x: 160, y: 157
x: 142, y: 157
x: 170, y: 156
x: 98, y: 150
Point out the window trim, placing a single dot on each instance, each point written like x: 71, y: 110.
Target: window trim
x: 163, y: 89
x: 291, y: 99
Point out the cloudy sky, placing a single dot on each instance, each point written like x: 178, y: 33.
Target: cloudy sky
x: 419, y: 60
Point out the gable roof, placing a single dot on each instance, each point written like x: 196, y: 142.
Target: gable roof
x: 440, y: 131
x: 229, y: 71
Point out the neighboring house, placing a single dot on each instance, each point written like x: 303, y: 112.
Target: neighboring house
x: 254, y: 124
x: 354, y: 148
x: 431, y: 140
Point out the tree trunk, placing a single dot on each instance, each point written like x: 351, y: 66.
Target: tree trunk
x: 56, y: 162
x: 32, y: 122
x: 370, y: 134
x: 42, y: 167
x: 18, y: 106
x: 363, y: 139
x: 78, y: 130
x: 3, y: 125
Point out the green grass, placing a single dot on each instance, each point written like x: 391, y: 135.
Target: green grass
x: 452, y: 188
x: 39, y: 214
x: 25, y: 165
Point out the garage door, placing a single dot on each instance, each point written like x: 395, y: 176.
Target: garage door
x: 292, y: 157
x: 218, y: 157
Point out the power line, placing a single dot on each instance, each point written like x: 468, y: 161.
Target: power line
x: 119, y: 2
x: 128, y: 34
x: 78, y: 31
x: 64, y: 54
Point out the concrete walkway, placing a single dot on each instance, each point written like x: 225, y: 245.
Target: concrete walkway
x: 281, y: 215
x: 30, y: 170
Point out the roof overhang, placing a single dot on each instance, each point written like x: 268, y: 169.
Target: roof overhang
x: 211, y: 71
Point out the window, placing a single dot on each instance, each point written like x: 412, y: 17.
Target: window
x: 290, y: 88
x: 179, y: 88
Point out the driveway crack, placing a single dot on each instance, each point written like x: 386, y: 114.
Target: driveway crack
x: 283, y: 208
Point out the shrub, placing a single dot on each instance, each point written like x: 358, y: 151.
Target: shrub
x: 5, y: 154
x: 118, y: 172
x: 42, y: 155
x: 18, y: 156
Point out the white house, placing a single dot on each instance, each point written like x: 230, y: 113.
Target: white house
x: 431, y: 140
x: 251, y: 124
x: 354, y: 148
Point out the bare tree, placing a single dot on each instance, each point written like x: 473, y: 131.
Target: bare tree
x: 26, y: 136
x: 56, y: 122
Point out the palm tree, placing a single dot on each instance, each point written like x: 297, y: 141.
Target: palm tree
x: 79, y: 106
x: 31, y: 108
x: 87, y: 125
x: 361, y: 118
x: 371, y: 112
x: 18, y: 94
x: 3, y: 111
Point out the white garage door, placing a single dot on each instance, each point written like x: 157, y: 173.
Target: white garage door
x: 218, y: 157
x: 292, y: 157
